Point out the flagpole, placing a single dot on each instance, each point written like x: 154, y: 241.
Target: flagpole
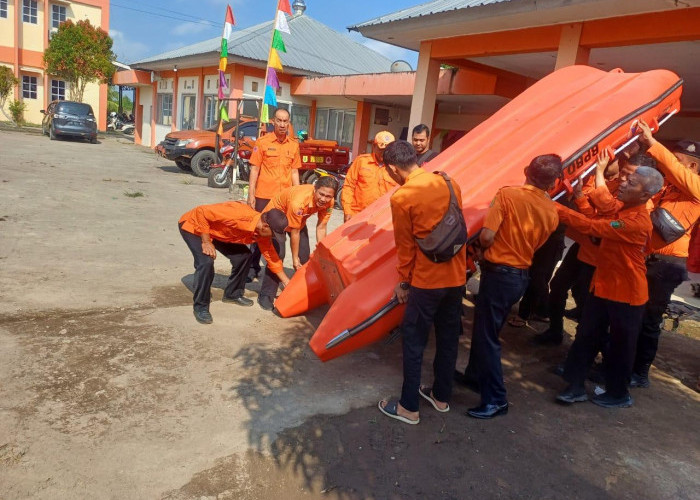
x: 267, y: 64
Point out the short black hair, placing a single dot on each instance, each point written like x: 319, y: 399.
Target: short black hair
x: 642, y: 160
x: 327, y: 181
x: 400, y: 154
x: 545, y: 169
x: 276, y: 219
x: 420, y: 128
x: 652, y: 179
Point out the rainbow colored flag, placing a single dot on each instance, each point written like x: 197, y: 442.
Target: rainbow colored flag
x: 274, y: 63
x: 223, y: 61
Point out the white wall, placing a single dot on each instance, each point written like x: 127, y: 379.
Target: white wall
x: 146, y: 100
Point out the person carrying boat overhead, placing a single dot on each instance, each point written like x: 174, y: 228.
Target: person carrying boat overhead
x: 431, y: 290
x: 367, y: 179
x: 298, y: 203
x: 613, y: 312
x: 666, y: 265
x: 228, y: 227
x: 519, y: 221
x: 275, y: 164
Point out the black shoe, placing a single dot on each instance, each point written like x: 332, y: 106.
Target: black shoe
x: 638, y: 381
x: 548, y: 337
x: 241, y: 301
x: 488, y: 411
x: 573, y: 314
x: 465, y: 381
x: 203, y: 317
x: 607, y: 401
x: 266, y: 302
x: 572, y: 395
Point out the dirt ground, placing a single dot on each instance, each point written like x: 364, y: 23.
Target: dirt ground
x: 110, y: 389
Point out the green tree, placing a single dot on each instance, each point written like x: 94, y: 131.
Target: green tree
x: 113, y: 101
x: 80, y: 53
x: 8, y: 81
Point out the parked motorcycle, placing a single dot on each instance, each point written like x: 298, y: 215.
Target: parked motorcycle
x: 339, y: 176
x: 226, y: 174
x: 120, y: 122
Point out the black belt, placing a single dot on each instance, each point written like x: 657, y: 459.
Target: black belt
x: 680, y: 261
x: 501, y: 268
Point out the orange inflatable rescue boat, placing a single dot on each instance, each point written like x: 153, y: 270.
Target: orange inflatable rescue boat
x: 575, y: 112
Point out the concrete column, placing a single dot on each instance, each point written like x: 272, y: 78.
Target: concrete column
x: 570, y: 51
x: 425, y: 90
x: 362, y: 119
x: 138, y: 116
x: 176, y: 84
x: 200, y: 101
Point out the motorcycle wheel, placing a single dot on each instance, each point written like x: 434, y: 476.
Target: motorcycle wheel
x: 243, y: 170
x: 202, y: 162
x: 129, y: 131
x: 338, y: 199
x: 312, y: 178
x: 217, y: 179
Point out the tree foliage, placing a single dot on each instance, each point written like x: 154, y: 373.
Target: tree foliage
x: 8, y: 81
x: 80, y: 53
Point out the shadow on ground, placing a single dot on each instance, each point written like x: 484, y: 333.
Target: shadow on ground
x: 539, y: 450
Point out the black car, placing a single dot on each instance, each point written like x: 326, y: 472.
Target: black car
x: 69, y: 118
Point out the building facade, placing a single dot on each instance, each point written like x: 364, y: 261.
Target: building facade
x: 26, y: 27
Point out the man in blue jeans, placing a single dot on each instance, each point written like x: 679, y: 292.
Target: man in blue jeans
x: 519, y: 221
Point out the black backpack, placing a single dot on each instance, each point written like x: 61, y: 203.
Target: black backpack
x: 450, y: 235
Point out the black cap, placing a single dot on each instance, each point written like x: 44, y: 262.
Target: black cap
x: 276, y: 220
x: 690, y: 148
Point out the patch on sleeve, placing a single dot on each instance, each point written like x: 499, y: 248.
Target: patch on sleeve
x: 617, y: 224
x: 255, y: 149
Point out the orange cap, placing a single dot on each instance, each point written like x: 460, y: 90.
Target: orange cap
x: 383, y: 139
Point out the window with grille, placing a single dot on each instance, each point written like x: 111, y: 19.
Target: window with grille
x: 335, y: 125
x: 58, y: 90
x: 29, y: 9
x: 165, y: 109
x: 3, y: 9
x: 29, y: 87
x: 58, y: 15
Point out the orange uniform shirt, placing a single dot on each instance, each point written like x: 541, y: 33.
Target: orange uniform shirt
x: 681, y: 197
x: 620, y: 273
x: 230, y: 222
x: 523, y: 217
x: 365, y: 182
x: 598, y: 203
x: 297, y: 202
x: 416, y: 208
x: 276, y: 161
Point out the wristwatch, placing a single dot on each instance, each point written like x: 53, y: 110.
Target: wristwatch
x: 405, y: 285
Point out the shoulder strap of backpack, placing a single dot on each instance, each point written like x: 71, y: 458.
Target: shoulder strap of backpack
x: 453, y: 196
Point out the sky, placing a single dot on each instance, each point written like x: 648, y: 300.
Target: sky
x: 144, y: 28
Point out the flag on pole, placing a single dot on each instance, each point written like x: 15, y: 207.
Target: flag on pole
x: 281, y: 23
x: 278, y: 42
x: 270, y: 97
x: 274, y: 63
x: 224, y: 113
x: 223, y: 56
x: 285, y: 7
x: 272, y: 79
x: 274, y: 60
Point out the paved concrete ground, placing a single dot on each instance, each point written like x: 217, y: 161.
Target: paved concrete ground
x: 110, y: 389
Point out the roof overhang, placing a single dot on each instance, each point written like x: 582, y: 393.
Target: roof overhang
x: 505, y: 16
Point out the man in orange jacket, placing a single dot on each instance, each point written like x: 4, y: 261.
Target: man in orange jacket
x: 432, y: 291
x: 519, y: 221
x: 367, y: 179
x: 666, y: 265
x: 298, y: 203
x: 275, y: 164
x: 618, y: 292
x: 228, y: 227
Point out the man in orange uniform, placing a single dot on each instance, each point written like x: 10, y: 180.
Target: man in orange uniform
x: 228, y: 227
x: 367, y: 179
x: 519, y: 221
x: 432, y: 291
x: 298, y: 203
x: 666, y: 266
x: 275, y: 164
x: 618, y: 292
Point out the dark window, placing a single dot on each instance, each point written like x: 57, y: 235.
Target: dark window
x: 3, y: 8
x: 74, y: 108
x: 165, y: 109
x: 29, y: 9
x: 29, y: 87
x: 58, y: 90
x: 58, y: 15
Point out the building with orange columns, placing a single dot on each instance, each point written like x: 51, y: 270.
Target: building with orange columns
x: 474, y: 56
x: 26, y: 27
